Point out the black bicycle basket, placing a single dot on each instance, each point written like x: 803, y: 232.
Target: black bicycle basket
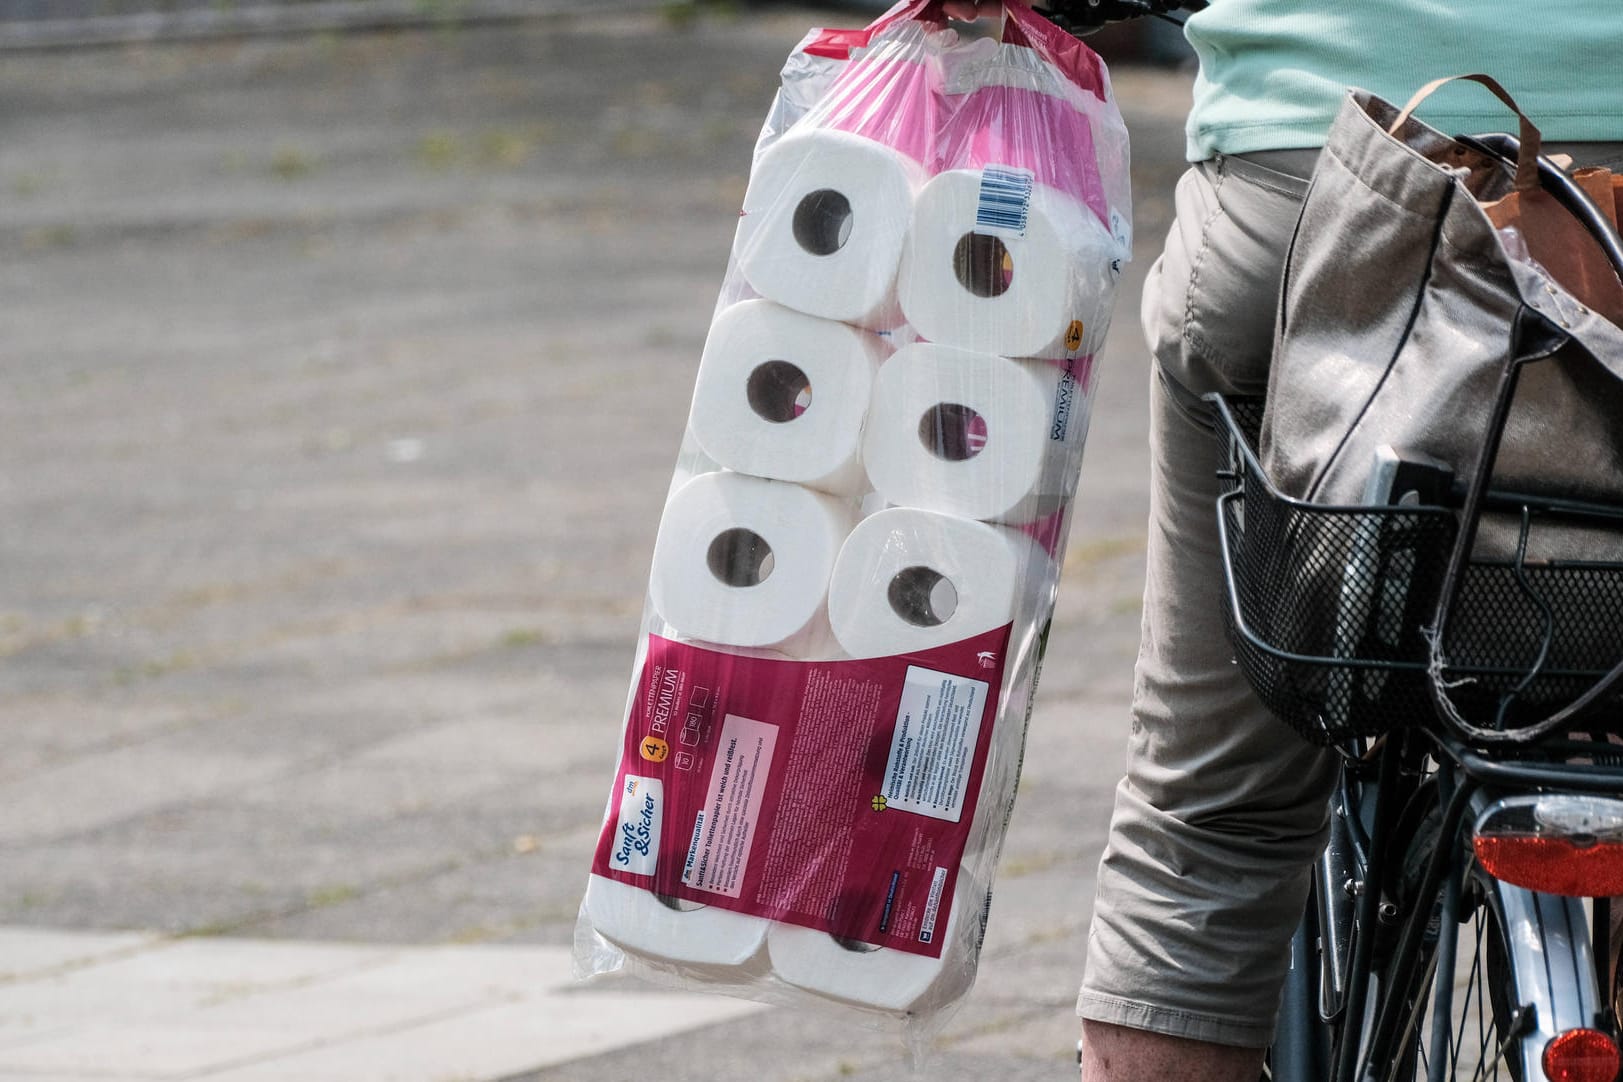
x: 1329, y: 609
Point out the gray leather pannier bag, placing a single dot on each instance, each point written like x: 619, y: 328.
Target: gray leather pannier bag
x: 1412, y: 326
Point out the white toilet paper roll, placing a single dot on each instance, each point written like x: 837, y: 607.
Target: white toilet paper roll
x: 910, y: 580
x: 1045, y: 292
x: 783, y: 395
x: 744, y: 561
x: 972, y: 434
x: 636, y: 920
x: 823, y: 222
x: 889, y: 980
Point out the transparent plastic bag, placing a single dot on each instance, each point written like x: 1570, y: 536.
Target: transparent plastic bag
x: 860, y: 548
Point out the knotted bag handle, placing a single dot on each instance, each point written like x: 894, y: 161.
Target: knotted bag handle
x: 1530, y: 139
x: 1019, y: 24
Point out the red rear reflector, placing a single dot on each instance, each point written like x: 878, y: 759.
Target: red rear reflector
x: 1553, y: 864
x: 1581, y: 1055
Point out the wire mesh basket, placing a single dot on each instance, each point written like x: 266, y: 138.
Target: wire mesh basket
x: 1330, y: 610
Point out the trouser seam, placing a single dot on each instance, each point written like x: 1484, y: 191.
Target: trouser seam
x: 1180, y: 1020
x: 1186, y: 402
x: 1189, y: 337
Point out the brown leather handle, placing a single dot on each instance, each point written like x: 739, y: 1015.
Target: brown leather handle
x: 1526, y: 160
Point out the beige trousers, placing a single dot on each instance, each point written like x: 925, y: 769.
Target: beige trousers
x: 1223, y: 808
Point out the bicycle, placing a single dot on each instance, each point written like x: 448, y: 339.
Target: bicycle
x: 1456, y: 850
x: 1392, y: 879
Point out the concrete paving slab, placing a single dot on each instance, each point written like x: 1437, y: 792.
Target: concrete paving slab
x: 36, y: 739
x: 284, y: 1011
x: 368, y: 789
x: 497, y: 1041
x: 429, y: 873
x: 1038, y: 970
x: 170, y: 979
x: 146, y: 1049
x: 497, y: 744
x: 520, y: 898
x: 102, y: 789
x: 33, y: 952
x: 786, y: 1045
x: 208, y: 966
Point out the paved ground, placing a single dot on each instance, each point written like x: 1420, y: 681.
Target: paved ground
x: 342, y: 380
x: 135, y: 1005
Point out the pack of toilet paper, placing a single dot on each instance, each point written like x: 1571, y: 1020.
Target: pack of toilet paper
x: 858, y: 555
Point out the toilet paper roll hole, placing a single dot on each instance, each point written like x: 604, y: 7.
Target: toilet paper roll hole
x: 983, y: 265
x: 740, y: 557
x: 855, y: 946
x: 822, y: 222
x: 952, y: 431
x: 923, y: 596
x: 681, y: 905
x: 778, y: 391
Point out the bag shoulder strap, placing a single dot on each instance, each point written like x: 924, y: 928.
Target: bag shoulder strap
x: 1526, y: 160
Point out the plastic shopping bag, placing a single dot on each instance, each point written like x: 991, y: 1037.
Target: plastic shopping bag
x: 860, y: 548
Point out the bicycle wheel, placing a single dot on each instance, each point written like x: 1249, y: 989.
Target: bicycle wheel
x: 1519, y: 971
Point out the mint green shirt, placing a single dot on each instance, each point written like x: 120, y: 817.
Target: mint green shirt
x: 1273, y: 72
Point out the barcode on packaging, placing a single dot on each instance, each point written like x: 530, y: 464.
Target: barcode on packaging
x: 1005, y: 200
x: 932, y: 906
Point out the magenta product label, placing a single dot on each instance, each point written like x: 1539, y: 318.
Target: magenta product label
x: 725, y: 826
x: 835, y: 795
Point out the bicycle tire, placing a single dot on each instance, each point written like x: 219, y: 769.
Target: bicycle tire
x: 1522, y: 973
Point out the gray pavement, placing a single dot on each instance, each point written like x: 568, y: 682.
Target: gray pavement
x: 120, y: 1006
x: 340, y: 384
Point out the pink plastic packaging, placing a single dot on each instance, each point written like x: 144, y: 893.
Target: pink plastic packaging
x: 861, y: 546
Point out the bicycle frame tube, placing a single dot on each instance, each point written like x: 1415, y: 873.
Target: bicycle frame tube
x: 1342, y: 864
x: 1382, y: 1047
x: 1301, y: 1047
x: 1447, y: 951
x: 1368, y: 903
x: 1315, y: 990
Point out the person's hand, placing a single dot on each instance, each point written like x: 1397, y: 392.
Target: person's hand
x: 970, y: 10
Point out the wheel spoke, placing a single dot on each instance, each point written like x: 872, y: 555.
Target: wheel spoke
x: 1478, y: 1044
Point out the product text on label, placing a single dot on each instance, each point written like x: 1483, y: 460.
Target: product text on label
x: 1064, y: 395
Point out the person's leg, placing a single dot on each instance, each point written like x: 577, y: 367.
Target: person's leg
x: 1112, y: 1052
x: 1223, y: 809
